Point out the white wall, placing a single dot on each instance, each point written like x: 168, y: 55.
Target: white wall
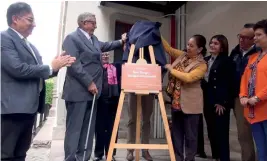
x: 210, y: 18
x: 106, y: 17
x: 45, y: 22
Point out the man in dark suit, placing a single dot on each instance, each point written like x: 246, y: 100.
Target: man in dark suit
x: 83, y: 80
x: 22, y: 81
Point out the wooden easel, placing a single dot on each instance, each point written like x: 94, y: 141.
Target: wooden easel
x: 139, y: 146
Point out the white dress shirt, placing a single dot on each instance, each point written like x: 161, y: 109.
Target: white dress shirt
x: 89, y: 37
x: 210, y: 63
x: 86, y: 35
x: 244, y: 52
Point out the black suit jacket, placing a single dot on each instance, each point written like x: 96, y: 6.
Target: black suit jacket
x: 218, y: 89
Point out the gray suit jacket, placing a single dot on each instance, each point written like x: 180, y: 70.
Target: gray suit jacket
x: 88, y: 67
x: 21, y: 75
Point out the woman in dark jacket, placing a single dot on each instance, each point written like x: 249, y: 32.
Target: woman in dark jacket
x: 107, y: 107
x: 216, y: 87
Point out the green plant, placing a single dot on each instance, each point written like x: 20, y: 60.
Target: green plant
x: 49, y: 91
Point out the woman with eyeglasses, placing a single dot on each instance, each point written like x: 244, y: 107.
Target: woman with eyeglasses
x: 253, y: 90
x: 107, y: 107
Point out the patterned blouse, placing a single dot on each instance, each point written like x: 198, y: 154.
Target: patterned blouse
x: 174, y: 85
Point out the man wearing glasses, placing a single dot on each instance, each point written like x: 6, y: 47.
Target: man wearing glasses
x: 240, y: 55
x: 83, y: 81
x: 22, y: 82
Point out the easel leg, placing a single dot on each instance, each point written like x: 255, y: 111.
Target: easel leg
x: 115, y: 126
x: 138, y: 125
x: 166, y: 126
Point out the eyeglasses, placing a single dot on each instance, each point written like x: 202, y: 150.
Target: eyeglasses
x: 244, y: 37
x: 105, y: 54
x: 29, y: 19
x: 92, y: 22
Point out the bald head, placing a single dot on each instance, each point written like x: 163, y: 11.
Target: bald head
x: 246, y: 36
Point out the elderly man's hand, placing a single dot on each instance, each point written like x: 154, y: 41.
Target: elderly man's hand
x: 124, y: 37
x: 92, y: 88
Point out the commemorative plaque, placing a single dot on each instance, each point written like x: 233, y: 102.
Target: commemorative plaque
x: 141, y: 77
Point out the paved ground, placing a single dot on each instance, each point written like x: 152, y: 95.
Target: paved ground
x: 41, y: 145
x: 57, y: 153
x: 46, y: 149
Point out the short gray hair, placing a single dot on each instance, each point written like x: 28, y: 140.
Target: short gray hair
x: 83, y: 17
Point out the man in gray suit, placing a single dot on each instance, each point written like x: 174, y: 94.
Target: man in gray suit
x: 83, y: 80
x: 22, y: 81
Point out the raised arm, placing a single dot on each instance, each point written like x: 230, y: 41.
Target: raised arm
x: 170, y: 50
x: 108, y: 46
x: 192, y: 76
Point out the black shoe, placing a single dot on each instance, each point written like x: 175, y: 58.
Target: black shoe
x: 97, y: 159
x: 201, y: 155
x: 130, y: 156
x: 112, y: 159
x: 146, y: 155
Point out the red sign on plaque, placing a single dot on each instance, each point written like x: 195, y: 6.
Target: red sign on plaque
x: 141, y: 77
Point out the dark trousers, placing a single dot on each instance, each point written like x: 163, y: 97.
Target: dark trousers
x: 16, y: 135
x: 184, y: 134
x: 78, y: 115
x: 201, y: 143
x: 105, y: 117
x: 218, y: 132
x: 147, y: 110
x: 259, y: 131
x: 245, y: 137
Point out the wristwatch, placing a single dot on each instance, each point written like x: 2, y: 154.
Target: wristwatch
x: 257, y: 98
